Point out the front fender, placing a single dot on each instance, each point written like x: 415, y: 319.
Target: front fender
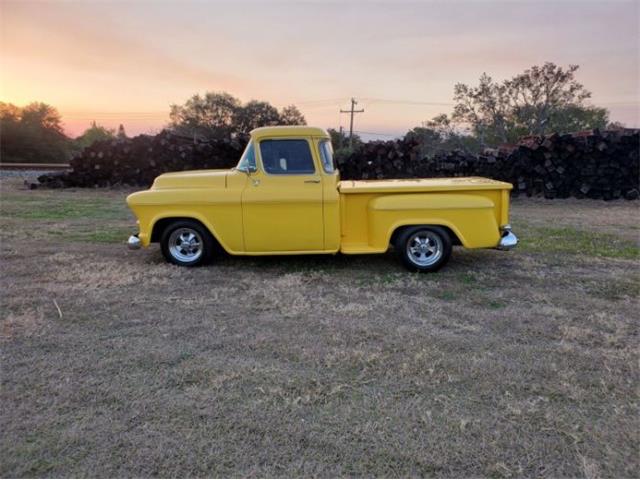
x: 218, y: 210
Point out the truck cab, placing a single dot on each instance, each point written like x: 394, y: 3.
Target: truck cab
x: 291, y: 192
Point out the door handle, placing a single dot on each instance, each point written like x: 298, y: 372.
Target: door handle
x: 312, y: 181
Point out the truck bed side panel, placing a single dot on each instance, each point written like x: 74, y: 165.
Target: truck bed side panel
x: 369, y: 219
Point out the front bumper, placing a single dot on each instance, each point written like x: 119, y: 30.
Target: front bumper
x: 134, y: 242
x: 508, y: 240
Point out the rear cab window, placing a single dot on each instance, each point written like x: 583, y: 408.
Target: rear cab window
x: 326, y: 156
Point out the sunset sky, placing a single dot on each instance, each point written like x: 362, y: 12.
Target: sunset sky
x: 127, y: 61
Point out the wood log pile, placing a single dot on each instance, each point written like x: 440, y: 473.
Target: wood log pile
x: 593, y: 164
x: 137, y: 161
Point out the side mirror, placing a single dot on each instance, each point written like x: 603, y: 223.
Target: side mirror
x: 249, y: 169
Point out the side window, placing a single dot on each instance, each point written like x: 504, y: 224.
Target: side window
x: 326, y: 155
x: 281, y: 157
x: 248, y: 161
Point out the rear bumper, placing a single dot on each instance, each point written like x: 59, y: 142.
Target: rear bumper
x: 134, y: 242
x: 508, y: 241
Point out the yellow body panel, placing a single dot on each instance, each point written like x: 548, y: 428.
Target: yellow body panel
x: 259, y: 213
x: 217, y: 208
x: 283, y: 212
x: 369, y: 219
x: 422, y: 185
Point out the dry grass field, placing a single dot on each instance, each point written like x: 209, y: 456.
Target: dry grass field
x: 504, y: 364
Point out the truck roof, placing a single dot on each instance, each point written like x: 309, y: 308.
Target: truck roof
x: 289, y: 131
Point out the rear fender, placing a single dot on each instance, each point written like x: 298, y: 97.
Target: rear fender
x: 472, y: 218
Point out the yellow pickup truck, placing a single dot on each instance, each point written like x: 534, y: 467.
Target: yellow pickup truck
x: 285, y: 197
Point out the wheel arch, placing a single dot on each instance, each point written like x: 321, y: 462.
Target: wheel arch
x: 398, y: 229
x: 159, y: 224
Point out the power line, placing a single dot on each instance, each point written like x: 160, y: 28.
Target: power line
x: 79, y: 112
x: 621, y: 103
x: 378, y: 133
x: 114, y: 115
x: 309, y: 103
x: 332, y: 101
x: 409, y: 102
x: 352, y: 111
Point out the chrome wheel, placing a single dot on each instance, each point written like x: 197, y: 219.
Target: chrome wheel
x: 185, y: 245
x: 424, y: 248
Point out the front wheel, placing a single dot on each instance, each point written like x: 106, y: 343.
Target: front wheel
x: 424, y: 249
x: 186, y: 243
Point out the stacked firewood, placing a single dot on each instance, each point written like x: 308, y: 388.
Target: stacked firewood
x: 589, y: 164
x: 139, y: 160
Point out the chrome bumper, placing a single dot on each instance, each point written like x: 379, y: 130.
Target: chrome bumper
x: 134, y: 242
x: 508, y: 240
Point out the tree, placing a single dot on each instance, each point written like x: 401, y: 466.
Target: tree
x: 575, y: 118
x: 32, y: 134
x: 340, y: 140
x: 9, y: 112
x: 255, y: 114
x: 210, y: 116
x: 290, y: 115
x: 540, y: 100
x: 42, y: 116
x: 340, y: 143
x: 485, y: 108
x: 13, y: 136
x: 616, y: 126
x: 442, y: 134
x: 95, y: 133
x: 121, y: 135
x: 220, y: 115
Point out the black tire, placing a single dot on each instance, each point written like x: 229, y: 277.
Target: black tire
x: 177, y: 233
x: 436, y: 253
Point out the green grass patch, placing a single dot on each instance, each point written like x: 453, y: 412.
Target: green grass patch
x: 62, y: 207
x: 104, y: 235
x: 495, y: 304
x: 64, y: 210
x: 467, y: 278
x: 616, y: 289
x: 112, y: 234
x: 570, y: 240
x: 76, y: 217
x: 446, y: 295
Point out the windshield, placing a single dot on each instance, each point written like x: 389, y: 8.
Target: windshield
x: 247, y: 162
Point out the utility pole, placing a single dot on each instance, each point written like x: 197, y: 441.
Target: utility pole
x: 352, y: 111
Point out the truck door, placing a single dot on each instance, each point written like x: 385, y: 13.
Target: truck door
x: 282, y: 201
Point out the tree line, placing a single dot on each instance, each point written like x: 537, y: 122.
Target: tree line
x: 35, y: 134
x: 540, y: 100
x: 221, y: 115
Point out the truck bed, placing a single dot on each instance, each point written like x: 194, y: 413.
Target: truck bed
x: 472, y: 208
x: 421, y: 185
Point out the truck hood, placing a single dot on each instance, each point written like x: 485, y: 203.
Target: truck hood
x: 421, y: 185
x: 191, y: 179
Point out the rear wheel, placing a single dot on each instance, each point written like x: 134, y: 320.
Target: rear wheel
x: 424, y: 249
x: 186, y: 243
